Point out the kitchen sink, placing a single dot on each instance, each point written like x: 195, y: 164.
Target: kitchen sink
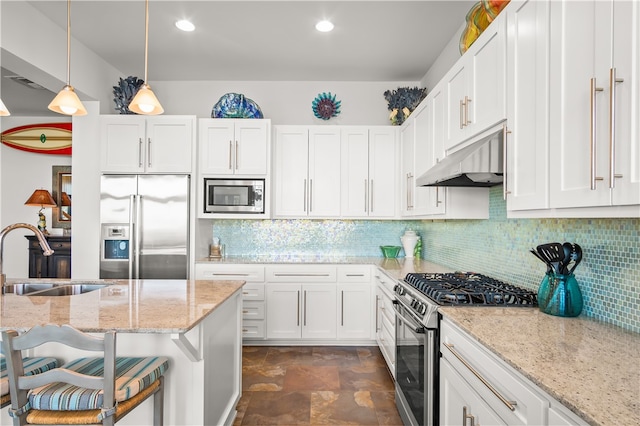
x: 51, y: 289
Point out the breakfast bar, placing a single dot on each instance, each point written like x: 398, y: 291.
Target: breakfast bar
x: 195, y: 323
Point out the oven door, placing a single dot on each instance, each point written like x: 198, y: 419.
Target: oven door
x: 415, y: 369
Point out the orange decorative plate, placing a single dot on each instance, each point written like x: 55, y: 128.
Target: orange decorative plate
x: 44, y: 138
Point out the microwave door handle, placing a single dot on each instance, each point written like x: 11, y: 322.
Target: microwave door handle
x: 131, y: 223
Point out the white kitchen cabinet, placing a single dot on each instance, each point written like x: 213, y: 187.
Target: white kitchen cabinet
x: 472, y: 376
x: 301, y: 302
x: 422, y: 146
x: 385, y: 324
x: 595, y: 98
x: 475, y: 86
x: 297, y: 311
x: 307, y: 171
x: 526, y: 183
x: 368, y: 164
x: 233, y: 147
x: 253, y: 293
x: 135, y: 144
x: 355, y: 307
x: 460, y: 403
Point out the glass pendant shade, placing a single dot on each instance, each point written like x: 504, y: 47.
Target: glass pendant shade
x: 145, y: 102
x: 67, y: 102
x: 3, y: 110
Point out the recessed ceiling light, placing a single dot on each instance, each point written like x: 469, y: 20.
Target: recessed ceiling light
x: 324, y: 26
x: 185, y: 25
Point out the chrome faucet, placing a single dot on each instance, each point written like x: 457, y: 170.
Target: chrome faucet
x: 44, y: 245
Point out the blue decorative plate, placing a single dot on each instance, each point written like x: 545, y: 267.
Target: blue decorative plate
x: 235, y: 105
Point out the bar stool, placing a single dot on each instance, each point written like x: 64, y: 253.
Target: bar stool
x: 32, y: 365
x: 90, y: 390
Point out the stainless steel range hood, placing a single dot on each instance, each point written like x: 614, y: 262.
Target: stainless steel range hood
x: 476, y: 165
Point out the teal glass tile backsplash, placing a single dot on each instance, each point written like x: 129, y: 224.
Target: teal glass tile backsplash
x: 609, y: 275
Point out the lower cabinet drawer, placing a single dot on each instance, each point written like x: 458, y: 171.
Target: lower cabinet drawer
x: 252, y: 310
x: 253, y: 292
x: 253, y: 329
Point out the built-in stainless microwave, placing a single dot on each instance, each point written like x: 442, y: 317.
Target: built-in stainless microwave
x: 233, y: 195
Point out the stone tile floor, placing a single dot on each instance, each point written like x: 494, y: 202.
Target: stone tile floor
x: 320, y: 385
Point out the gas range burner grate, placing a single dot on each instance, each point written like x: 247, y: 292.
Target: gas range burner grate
x: 468, y: 288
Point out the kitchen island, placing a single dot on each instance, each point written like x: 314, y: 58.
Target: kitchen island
x: 195, y: 323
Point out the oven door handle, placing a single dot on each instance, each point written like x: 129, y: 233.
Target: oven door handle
x: 415, y: 326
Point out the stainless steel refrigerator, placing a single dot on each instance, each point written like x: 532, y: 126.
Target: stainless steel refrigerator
x: 144, y: 225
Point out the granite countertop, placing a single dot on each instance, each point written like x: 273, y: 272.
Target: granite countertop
x: 129, y: 306
x: 395, y: 267
x: 590, y: 367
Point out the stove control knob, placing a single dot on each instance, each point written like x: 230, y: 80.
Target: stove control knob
x: 422, y: 309
x: 399, y: 290
x: 414, y: 303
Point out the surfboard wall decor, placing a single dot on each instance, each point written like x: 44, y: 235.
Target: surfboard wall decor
x: 44, y: 138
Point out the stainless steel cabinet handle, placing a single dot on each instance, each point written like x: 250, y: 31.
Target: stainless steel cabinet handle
x: 140, y: 152
x: 230, y: 155
x: 466, y: 111
x: 366, y: 190
x: 305, y: 308
x: 371, y: 196
x: 298, y: 309
x: 505, y: 190
x: 284, y: 274
x: 148, y: 152
x: 592, y: 133
x: 613, y: 80
x: 304, y: 199
x: 237, y: 159
x: 511, y: 405
x: 461, y: 114
x: 438, y: 200
x: 132, y: 205
x: 342, y: 308
x: 310, y: 195
x: 377, y: 312
x: 466, y: 416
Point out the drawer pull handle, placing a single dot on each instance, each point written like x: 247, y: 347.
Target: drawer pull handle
x: 299, y: 275
x: 510, y: 404
x: 355, y: 275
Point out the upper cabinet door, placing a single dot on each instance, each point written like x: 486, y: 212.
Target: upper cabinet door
x: 169, y: 144
x: 291, y: 171
x: 324, y: 172
x: 355, y: 172
x: 123, y: 144
x: 234, y: 147
x: 133, y: 144
x: 594, y: 137
x: 382, y: 198
x: 527, y: 143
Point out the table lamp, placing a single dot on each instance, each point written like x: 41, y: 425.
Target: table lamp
x: 41, y: 198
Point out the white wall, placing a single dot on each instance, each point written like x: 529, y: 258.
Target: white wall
x: 284, y: 102
x: 21, y: 173
x: 449, y: 56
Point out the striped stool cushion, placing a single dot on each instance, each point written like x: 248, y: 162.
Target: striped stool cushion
x: 33, y: 365
x: 132, y: 376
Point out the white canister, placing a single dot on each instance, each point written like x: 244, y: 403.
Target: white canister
x: 409, y: 241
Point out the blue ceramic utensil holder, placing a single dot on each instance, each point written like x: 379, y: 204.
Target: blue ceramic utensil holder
x: 560, y: 295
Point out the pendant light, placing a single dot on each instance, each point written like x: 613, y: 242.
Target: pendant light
x: 3, y: 110
x: 145, y: 101
x: 66, y: 101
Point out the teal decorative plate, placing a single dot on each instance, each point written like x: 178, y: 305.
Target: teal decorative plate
x: 325, y: 106
x: 235, y: 105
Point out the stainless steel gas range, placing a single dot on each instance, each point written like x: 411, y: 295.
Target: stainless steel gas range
x: 418, y: 297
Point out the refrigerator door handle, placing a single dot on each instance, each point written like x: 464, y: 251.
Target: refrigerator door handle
x: 131, y: 213
x: 137, y: 237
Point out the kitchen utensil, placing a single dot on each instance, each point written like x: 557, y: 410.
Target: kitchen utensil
x: 568, y: 252
x: 535, y: 253
x: 577, y: 258
x: 553, y: 253
x: 390, y: 251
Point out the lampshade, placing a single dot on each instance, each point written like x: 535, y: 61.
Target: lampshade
x: 41, y: 198
x: 66, y: 200
x: 145, y: 101
x: 66, y: 101
x: 3, y: 110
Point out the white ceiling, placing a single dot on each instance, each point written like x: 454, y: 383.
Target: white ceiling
x: 260, y: 40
